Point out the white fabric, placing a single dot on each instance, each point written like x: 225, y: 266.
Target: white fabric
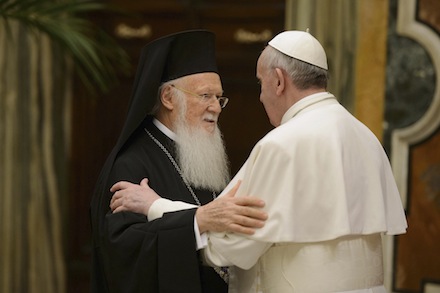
x: 163, y: 205
x: 201, y: 239
x: 347, y: 264
x: 164, y: 129
x: 302, y: 46
x: 323, y: 175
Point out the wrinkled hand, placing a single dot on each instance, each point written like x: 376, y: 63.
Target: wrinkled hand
x: 232, y: 214
x: 132, y: 197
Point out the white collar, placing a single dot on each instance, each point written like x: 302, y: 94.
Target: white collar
x: 164, y: 129
x: 304, y: 103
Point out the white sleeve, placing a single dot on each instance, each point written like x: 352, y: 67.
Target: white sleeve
x: 163, y: 205
x: 233, y: 249
x: 201, y: 239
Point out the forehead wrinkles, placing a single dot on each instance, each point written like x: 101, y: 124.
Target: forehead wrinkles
x: 204, y: 82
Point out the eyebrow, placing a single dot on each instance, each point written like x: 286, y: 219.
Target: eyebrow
x: 208, y: 90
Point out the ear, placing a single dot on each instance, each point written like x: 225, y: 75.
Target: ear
x: 166, y: 97
x: 280, y: 80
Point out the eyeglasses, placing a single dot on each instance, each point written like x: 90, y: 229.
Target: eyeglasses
x: 206, y: 97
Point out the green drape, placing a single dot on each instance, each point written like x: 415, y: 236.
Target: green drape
x: 334, y: 24
x: 34, y: 132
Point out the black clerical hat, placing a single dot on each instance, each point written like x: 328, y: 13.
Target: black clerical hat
x: 164, y: 59
x: 189, y: 53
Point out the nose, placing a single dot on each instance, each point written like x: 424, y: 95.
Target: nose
x: 214, y: 106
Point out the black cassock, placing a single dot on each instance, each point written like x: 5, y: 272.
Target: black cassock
x: 131, y: 254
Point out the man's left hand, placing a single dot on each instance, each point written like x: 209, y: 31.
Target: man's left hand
x: 132, y: 197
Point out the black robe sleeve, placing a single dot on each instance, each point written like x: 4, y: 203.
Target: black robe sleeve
x: 151, y: 257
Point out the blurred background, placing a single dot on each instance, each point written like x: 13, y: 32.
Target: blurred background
x: 66, y: 73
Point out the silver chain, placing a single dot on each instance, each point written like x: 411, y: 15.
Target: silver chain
x: 177, y: 168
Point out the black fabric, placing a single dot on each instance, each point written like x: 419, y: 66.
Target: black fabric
x: 129, y: 253
x: 134, y: 255
x: 190, y: 53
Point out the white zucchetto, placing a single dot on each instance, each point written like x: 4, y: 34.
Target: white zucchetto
x: 302, y: 46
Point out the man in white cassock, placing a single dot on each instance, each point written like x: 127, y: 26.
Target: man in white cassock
x: 327, y: 183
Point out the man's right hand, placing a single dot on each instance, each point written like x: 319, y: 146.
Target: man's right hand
x: 232, y: 214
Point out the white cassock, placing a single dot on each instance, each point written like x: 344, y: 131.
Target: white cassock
x: 330, y: 194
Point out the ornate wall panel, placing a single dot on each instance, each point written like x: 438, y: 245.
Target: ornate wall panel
x: 416, y: 164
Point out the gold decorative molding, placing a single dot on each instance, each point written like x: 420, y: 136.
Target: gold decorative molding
x: 124, y: 31
x: 370, y: 66
x: 247, y: 37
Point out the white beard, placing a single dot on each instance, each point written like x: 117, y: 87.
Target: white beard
x: 202, y: 156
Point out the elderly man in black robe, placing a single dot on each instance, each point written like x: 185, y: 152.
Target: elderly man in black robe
x: 170, y: 136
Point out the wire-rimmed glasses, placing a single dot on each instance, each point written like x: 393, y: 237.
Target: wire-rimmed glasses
x: 206, y: 97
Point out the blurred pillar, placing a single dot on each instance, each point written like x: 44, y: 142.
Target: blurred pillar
x: 33, y: 113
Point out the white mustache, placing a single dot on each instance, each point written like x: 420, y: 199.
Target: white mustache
x: 210, y: 117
